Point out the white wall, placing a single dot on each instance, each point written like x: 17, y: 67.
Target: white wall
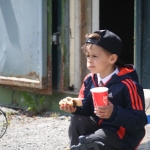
x: 75, y: 44
x: 95, y: 15
x: 92, y: 17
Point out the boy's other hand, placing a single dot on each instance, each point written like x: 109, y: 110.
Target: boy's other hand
x: 67, y: 108
x: 104, y: 111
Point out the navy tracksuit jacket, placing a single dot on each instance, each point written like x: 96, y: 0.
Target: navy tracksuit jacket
x: 128, y: 118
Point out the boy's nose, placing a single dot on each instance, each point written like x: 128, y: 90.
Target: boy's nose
x: 89, y: 60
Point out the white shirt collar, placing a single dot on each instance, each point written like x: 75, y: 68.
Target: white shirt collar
x: 104, y: 80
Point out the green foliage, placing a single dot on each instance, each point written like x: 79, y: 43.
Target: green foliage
x: 34, y: 105
x: 54, y: 115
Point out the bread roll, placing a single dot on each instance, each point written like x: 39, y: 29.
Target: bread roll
x: 78, y: 101
x: 71, y: 101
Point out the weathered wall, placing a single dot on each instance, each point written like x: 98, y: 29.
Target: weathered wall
x: 142, y: 41
x: 80, y: 25
x: 146, y: 46
x: 86, y: 27
x: 10, y: 96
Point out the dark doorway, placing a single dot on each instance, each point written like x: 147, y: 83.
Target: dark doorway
x: 118, y: 17
x: 56, y: 23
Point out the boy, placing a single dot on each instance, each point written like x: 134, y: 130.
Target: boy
x: 120, y: 125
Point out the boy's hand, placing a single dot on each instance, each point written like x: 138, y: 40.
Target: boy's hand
x: 67, y: 108
x: 104, y: 111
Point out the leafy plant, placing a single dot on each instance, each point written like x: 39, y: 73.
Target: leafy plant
x: 34, y: 105
x: 54, y: 115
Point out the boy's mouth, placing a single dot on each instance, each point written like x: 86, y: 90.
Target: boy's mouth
x: 91, y: 67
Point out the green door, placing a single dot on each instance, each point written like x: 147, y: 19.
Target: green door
x: 142, y: 41
x: 60, y: 44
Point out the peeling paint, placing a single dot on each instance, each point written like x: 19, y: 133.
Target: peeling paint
x: 49, y: 72
x: 31, y: 76
x: 19, y: 82
x: 44, y: 86
x: 25, y: 62
x: 34, y: 90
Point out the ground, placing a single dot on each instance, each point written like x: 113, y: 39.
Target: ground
x: 48, y: 131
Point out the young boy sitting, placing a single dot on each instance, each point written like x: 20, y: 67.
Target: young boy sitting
x: 120, y: 124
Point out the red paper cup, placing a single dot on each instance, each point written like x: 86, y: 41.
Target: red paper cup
x: 100, y: 96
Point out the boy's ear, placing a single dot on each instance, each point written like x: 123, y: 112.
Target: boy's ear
x: 113, y: 58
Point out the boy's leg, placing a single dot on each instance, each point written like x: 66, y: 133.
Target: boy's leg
x: 81, y: 125
x: 85, y: 125
x: 104, y: 137
x: 99, y: 140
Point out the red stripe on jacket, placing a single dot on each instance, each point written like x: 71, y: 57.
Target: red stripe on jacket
x: 138, y: 97
x: 121, y: 132
x: 134, y: 93
x: 131, y: 95
x: 81, y: 93
x: 135, y: 100
x: 100, y: 121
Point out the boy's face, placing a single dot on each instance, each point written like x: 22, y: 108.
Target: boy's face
x: 100, y: 61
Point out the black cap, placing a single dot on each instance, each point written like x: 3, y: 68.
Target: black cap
x: 108, y: 40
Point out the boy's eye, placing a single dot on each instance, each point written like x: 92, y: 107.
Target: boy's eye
x: 87, y: 55
x: 94, y: 56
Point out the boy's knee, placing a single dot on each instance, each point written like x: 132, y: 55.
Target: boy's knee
x: 80, y: 120
x: 87, y: 145
x: 79, y: 117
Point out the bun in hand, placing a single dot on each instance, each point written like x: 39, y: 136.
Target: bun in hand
x: 71, y: 101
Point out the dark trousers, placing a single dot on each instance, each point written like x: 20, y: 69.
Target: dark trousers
x: 86, y: 125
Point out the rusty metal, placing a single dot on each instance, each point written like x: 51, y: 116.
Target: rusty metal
x: 34, y: 90
x: 35, y: 87
x: 64, y: 45
x: 19, y: 82
x: 47, y: 83
x: 84, y: 19
x: 61, y: 88
x: 49, y: 74
x: 31, y: 75
x: 30, y: 71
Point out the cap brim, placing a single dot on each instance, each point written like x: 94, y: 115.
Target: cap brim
x: 120, y: 63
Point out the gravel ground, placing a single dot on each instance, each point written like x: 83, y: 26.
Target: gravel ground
x: 45, y: 132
